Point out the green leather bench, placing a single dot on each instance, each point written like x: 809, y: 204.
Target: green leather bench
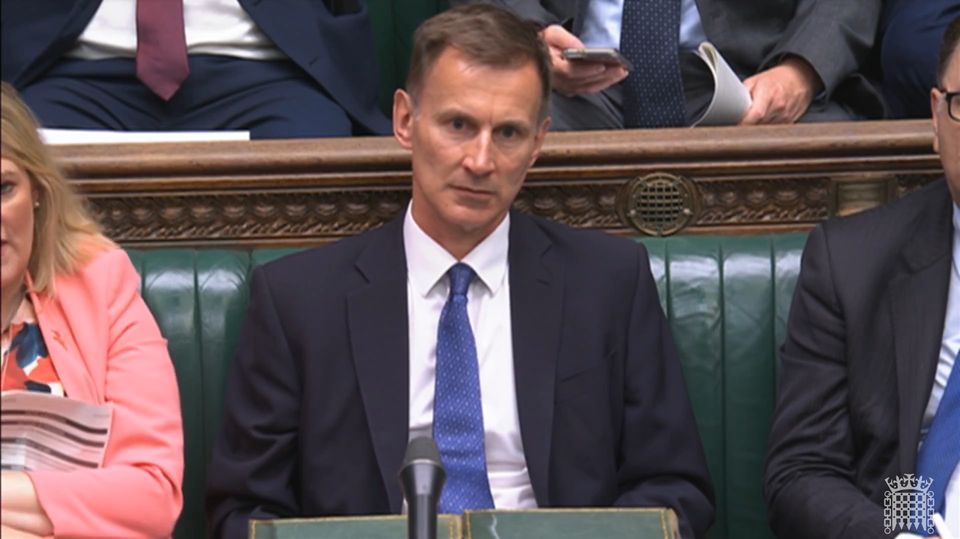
x: 727, y: 299
x: 393, y: 25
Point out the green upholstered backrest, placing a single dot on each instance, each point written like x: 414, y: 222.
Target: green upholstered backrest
x: 393, y: 25
x: 726, y: 297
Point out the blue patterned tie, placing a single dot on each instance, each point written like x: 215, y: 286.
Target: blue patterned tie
x: 457, y: 412
x: 650, y: 37
x: 940, y: 452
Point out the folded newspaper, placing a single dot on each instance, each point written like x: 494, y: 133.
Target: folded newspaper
x: 39, y: 431
x: 706, y: 73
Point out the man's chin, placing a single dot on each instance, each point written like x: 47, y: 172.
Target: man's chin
x: 471, y: 222
x: 473, y: 200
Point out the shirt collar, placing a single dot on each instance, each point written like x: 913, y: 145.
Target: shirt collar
x: 428, y: 262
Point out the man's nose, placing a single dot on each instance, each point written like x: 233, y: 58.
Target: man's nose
x: 479, y: 156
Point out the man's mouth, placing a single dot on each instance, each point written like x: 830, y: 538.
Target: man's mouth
x: 472, y: 191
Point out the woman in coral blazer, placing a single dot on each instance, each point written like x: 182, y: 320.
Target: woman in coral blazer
x: 74, y: 325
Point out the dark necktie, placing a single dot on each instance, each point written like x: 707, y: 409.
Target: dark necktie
x: 161, y: 46
x: 649, y: 38
x: 457, y: 412
x: 940, y: 452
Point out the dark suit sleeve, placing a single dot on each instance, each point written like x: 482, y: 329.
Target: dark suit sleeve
x: 834, y: 36
x: 253, y: 466
x: 526, y: 9
x: 809, y: 480
x: 661, y: 456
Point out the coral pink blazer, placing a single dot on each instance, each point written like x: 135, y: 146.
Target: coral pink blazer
x: 106, y: 347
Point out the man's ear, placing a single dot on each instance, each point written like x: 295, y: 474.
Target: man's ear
x: 538, y: 140
x: 403, y: 117
x: 934, y: 102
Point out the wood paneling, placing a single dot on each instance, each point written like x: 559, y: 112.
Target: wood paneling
x: 297, y: 192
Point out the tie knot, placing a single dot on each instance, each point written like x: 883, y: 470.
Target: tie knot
x: 460, y: 277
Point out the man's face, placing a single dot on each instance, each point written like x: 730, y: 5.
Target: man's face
x: 473, y: 132
x: 946, y: 129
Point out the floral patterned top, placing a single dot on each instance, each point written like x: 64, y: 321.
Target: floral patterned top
x: 26, y: 361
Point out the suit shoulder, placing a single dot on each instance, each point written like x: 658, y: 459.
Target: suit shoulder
x: 890, y: 222
x: 876, y: 242
x: 591, y: 248
x: 108, y: 267
x: 321, y: 263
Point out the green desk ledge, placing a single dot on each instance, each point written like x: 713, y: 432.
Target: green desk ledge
x: 373, y: 527
x: 652, y: 523
x: 726, y: 299
x: 539, y: 524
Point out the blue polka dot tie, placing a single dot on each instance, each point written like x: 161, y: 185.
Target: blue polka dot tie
x: 649, y: 38
x: 457, y: 413
x: 940, y: 452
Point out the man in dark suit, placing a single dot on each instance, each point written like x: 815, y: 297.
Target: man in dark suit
x: 563, y: 390
x: 299, y: 68
x: 871, y: 343
x: 800, y: 59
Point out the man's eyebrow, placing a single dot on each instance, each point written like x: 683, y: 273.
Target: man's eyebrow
x: 454, y: 112
x: 516, y: 124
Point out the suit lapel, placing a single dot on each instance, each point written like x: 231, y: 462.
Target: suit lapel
x: 64, y: 23
x: 62, y: 348
x: 918, y: 303
x: 582, y: 11
x: 536, y: 298
x: 377, y: 319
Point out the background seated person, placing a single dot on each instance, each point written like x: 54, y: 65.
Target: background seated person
x: 74, y: 325
x: 912, y: 31
x: 869, y: 383
x: 299, y: 68
x: 536, y: 355
x: 800, y: 58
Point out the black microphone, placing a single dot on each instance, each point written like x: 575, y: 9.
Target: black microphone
x: 421, y: 478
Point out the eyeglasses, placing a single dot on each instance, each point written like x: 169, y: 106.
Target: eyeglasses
x: 953, y: 103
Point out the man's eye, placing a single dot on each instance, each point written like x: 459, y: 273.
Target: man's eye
x: 508, y: 132
x: 458, y: 123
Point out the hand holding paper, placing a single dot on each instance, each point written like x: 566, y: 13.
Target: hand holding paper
x: 782, y: 93
x: 729, y: 98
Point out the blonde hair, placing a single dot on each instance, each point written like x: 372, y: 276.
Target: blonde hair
x: 65, y: 235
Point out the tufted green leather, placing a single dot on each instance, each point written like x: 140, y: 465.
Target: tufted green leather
x: 726, y: 297
x: 393, y: 25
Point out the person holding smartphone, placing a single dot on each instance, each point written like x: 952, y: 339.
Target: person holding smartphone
x: 799, y: 59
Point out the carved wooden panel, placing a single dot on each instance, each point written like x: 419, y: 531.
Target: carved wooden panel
x: 746, y: 180
x: 764, y: 200
x: 284, y: 216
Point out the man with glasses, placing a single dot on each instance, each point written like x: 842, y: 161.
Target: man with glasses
x: 869, y: 390
x: 952, y: 100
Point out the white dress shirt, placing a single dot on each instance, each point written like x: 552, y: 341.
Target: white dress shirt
x: 218, y: 27
x: 603, y: 21
x: 948, y: 353
x: 488, y: 307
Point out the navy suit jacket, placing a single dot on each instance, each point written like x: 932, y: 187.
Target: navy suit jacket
x: 857, y: 366
x: 331, y: 40
x: 317, y: 403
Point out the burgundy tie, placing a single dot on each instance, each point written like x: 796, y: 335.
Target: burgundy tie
x: 161, y: 46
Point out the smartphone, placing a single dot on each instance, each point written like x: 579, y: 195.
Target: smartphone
x: 602, y: 55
